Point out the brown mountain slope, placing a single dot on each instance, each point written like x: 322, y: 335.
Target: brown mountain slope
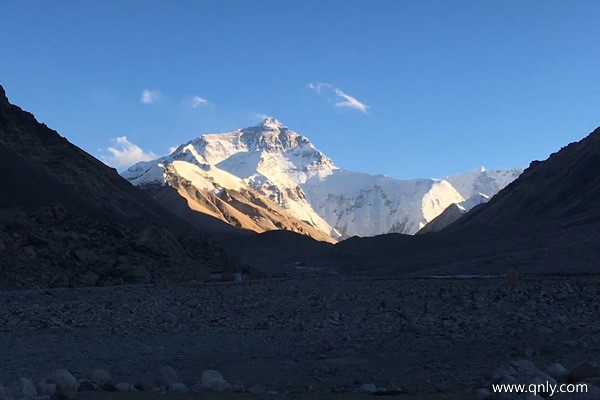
x: 246, y: 208
x: 66, y: 219
x: 452, y: 213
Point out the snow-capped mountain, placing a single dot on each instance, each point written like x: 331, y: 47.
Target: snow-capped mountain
x: 482, y: 182
x: 274, y: 162
x: 262, y: 164
x: 358, y: 204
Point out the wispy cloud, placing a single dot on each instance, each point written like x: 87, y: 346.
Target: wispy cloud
x: 123, y: 153
x: 317, y: 86
x: 150, y: 96
x: 343, y: 99
x: 350, y: 102
x: 198, y: 101
x: 172, y: 149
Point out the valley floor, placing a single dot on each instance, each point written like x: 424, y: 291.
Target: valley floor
x: 303, y: 335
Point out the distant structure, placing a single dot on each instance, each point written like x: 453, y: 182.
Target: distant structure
x: 221, y: 276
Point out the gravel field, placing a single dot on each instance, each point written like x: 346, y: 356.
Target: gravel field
x: 304, y: 335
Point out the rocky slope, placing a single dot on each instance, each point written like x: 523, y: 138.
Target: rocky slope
x: 216, y: 193
x: 447, y: 217
x: 66, y: 219
x: 283, y: 166
x: 562, y: 191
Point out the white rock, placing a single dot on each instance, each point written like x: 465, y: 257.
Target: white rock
x: 213, y: 380
x: 27, y: 388
x: 368, y: 388
x: 66, y: 384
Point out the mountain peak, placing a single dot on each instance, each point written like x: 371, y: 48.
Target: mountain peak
x: 3, y: 98
x: 271, y: 122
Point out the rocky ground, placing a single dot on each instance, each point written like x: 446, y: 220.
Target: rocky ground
x: 46, y: 247
x: 304, y: 335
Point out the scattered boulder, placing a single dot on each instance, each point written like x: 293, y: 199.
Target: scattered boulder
x: 213, y: 380
x: 100, y: 376
x: 86, y: 385
x: 84, y: 256
x: 145, y: 383
x: 368, y: 388
x: 583, y: 371
x: 89, y: 279
x: 27, y: 388
x: 557, y: 371
x: 524, y: 366
x: 123, y: 387
x: 29, y: 253
x: 503, y: 373
x: 177, y: 387
x: 133, y: 274
x: 167, y: 376
x: 66, y: 384
x: 482, y: 394
x: 169, y: 317
x: 46, y: 389
x: 59, y: 211
x: 334, y: 318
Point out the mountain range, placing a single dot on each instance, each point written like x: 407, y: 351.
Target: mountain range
x: 269, y: 177
x: 66, y: 219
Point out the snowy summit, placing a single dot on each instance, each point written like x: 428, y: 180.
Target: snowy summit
x: 286, y: 168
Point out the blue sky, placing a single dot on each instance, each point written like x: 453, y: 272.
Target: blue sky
x: 431, y: 87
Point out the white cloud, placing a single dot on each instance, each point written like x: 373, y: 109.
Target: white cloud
x: 350, y: 102
x: 150, y: 96
x: 172, y: 149
x: 261, y: 116
x: 317, y: 86
x: 346, y: 100
x: 198, y: 101
x: 123, y: 153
